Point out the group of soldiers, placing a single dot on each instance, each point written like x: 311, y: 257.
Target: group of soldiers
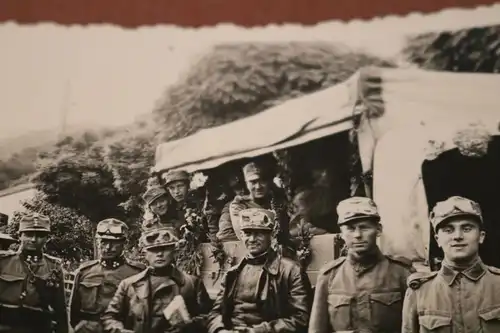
x: 363, y: 292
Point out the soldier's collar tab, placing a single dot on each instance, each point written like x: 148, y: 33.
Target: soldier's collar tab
x: 474, y: 273
x: 112, y: 263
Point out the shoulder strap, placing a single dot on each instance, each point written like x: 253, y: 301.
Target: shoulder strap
x: 87, y: 264
x: 494, y: 270
x: 400, y: 260
x: 332, y: 265
x: 417, y: 279
x: 135, y: 264
x: 6, y: 254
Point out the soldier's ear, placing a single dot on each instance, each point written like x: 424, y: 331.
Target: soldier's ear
x: 482, y: 236
x: 436, y: 237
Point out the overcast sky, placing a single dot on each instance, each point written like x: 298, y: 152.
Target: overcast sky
x: 110, y: 75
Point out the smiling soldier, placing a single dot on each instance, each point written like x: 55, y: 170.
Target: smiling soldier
x: 463, y: 296
x: 264, y: 293
x: 364, y: 291
x: 96, y: 280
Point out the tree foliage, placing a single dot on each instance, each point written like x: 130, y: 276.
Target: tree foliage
x: 467, y: 50
x: 233, y: 81
x: 70, y: 237
x: 76, y: 176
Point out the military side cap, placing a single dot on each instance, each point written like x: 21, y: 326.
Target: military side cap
x: 357, y: 208
x: 256, y: 219
x: 111, y: 229
x: 252, y: 171
x: 175, y: 175
x: 161, y: 237
x: 153, y: 193
x: 453, y: 207
x: 34, y: 222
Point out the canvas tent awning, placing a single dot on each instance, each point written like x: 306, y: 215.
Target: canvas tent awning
x: 289, y: 124
x: 409, y: 96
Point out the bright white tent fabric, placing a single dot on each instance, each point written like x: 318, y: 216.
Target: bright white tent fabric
x: 422, y: 110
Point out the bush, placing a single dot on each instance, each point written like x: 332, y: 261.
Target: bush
x: 466, y: 50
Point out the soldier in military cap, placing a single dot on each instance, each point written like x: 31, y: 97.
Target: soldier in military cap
x: 144, y: 302
x: 96, y: 280
x: 175, y: 201
x: 464, y: 295
x: 32, y: 298
x: 265, y: 292
x: 177, y: 183
x: 364, y: 291
x: 260, y: 186
x: 157, y: 199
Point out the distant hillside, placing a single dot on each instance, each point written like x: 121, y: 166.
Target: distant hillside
x: 12, y: 145
x: 18, y: 154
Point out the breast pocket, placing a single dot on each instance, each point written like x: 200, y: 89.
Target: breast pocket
x: 11, y: 288
x: 386, y: 310
x: 490, y: 320
x: 339, y: 309
x: 435, y: 323
x: 89, y: 293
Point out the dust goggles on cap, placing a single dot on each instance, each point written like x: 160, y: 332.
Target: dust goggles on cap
x: 107, y: 229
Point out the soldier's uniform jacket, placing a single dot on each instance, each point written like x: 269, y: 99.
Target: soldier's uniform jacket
x: 284, y: 298
x: 366, y: 298
x: 32, y: 295
x: 451, y: 301
x: 94, y: 285
x: 131, y: 306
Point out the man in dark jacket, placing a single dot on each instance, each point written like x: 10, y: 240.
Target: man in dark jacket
x: 96, y: 280
x: 140, y: 303
x: 32, y: 296
x: 264, y: 293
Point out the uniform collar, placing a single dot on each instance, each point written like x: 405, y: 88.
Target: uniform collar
x: 474, y: 272
x: 31, y: 257
x: 271, y: 265
x: 175, y: 274
x: 366, y: 263
x: 112, y: 263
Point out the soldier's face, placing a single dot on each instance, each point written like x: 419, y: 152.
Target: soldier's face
x: 460, y: 238
x: 256, y: 241
x: 111, y: 248
x: 159, y: 206
x: 160, y: 257
x: 33, y: 240
x: 257, y: 187
x: 178, y: 190
x: 361, y: 236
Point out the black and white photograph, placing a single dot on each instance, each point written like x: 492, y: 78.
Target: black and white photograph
x: 339, y: 177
